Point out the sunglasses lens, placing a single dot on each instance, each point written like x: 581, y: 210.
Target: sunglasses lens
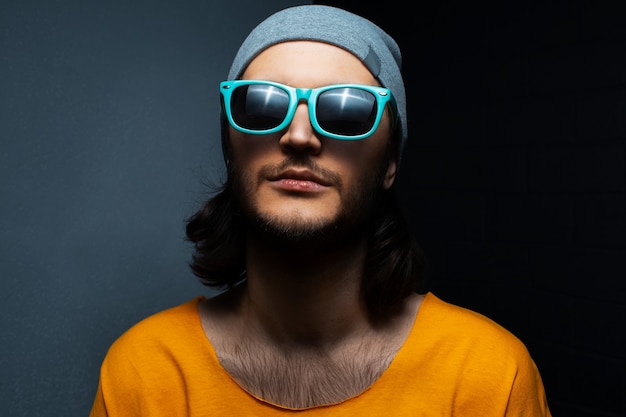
x: 346, y: 111
x: 259, y: 106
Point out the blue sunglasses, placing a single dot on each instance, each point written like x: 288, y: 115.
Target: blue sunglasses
x: 342, y: 111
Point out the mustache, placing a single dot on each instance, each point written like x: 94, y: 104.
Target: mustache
x: 272, y: 170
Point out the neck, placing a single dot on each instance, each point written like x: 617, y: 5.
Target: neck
x: 305, y: 295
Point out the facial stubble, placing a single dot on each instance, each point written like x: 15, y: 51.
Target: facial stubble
x: 356, y: 207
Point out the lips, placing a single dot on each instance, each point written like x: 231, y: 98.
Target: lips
x: 300, y: 176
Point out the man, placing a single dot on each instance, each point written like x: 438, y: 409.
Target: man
x: 320, y: 313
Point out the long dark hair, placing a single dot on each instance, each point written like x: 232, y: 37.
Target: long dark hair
x: 394, y: 263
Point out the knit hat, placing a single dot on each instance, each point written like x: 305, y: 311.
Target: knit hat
x: 378, y: 51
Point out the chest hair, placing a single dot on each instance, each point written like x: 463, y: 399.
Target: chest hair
x: 306, y: 377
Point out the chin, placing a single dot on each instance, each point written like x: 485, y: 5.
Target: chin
x: 297, y: 228
x: 300, y: 230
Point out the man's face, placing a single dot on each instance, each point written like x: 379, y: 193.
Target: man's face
x: 297, y: 184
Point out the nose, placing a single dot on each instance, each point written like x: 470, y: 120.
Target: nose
x: 300, y: 135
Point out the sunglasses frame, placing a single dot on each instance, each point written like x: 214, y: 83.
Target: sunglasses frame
x: 310, y: 95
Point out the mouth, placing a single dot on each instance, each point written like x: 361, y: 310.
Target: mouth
x: 299, y: 180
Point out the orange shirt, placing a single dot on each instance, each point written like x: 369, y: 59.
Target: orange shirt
x: 455, y: 362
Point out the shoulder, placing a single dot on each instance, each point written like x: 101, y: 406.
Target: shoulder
x: 488, y: 365
x: 153, y: 360
x: 162, y: 331
x: 172, y: 319
x: 460, y: 320
x: 468, y: 330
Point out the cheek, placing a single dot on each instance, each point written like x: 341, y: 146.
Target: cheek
x: 246, y: 150
x: 358, y: 159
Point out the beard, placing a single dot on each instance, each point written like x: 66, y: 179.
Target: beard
x: 356, y: 208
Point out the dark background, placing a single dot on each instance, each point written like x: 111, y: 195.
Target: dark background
x: 514, y: 176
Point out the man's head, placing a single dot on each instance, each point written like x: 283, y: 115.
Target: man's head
x: 306, y: 161
x: 296, y: 183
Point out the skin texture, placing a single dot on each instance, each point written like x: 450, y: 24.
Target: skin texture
x: 298, y: 333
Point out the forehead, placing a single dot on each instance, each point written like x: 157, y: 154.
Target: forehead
x: 308, y: 64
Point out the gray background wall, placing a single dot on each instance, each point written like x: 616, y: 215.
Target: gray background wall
x: 108, y: 131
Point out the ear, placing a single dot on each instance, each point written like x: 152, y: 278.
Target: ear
x: 390, y: 175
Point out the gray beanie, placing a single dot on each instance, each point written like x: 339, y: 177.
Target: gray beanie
x: 378, y: 51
